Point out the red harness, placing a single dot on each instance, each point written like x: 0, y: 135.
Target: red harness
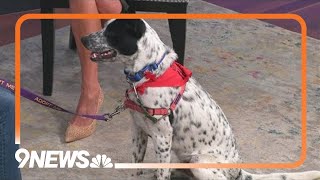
x: 175, y: 76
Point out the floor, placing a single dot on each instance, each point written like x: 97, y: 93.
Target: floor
x: 250, y: 67
x: 307, y: 9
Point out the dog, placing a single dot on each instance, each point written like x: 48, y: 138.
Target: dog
x: 197, y: 130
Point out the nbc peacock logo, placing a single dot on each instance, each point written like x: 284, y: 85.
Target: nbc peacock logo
x: 101, y: 161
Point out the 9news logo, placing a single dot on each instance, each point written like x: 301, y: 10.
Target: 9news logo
x: 61, y: 159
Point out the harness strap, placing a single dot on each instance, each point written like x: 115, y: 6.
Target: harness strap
x: 154, y: 111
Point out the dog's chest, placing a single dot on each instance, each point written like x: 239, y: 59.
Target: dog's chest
x: 198, y: 122
x: 153, y: 97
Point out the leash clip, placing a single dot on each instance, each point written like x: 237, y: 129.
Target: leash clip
x: 107, y: 117
x: 118, y: 110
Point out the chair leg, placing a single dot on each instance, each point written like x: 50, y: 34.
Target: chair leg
x: 72, y: 41
x: 178, y: 36
x: 48, y: 36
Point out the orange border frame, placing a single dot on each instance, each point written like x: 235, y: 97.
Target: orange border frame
x: 180, y: 16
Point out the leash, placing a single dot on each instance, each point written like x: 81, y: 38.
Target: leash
x: 39, y: 100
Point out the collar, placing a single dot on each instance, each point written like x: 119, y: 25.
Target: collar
x: 135, y: 77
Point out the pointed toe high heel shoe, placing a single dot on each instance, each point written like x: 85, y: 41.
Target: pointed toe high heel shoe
x: 75, y: 132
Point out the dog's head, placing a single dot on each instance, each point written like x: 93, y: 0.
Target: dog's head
x: 119, y: 36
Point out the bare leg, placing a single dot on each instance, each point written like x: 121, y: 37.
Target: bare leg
x: 90, y: 88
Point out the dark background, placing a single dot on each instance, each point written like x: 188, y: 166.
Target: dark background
x: 10, y: 6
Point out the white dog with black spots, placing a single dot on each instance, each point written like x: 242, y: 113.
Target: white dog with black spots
x: 197, y: 130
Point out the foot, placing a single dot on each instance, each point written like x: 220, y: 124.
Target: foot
x: 88, y: 104
x: 80, y: 127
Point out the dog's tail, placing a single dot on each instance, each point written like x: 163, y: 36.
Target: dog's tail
x: 308, y: 175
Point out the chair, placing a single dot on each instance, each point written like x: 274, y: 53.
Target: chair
x: 177, y: 29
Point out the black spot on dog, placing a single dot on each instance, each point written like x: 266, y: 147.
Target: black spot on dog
x: 202, y: 105
x: 188, y: 99
x: 196, y: 124
x: 161, y: 150
x: 166, y: 103
x: 144, y: 42
x: 248, y: 177
x: 213, y: 137
x: 194, y: 144
x: 134, y: 156
x: 186, y: 129
x: 156, y: 103
x: 152, y: 50
x: 283, y: 177
x: 224, y: 173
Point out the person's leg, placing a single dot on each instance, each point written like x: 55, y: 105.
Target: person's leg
x: 90, y: 89
x: 8, y: 164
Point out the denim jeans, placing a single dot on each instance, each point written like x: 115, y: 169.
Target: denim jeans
x: 8, y: 164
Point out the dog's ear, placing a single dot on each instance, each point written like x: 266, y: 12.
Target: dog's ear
x: 136, y: 27
x: 124, y: 34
